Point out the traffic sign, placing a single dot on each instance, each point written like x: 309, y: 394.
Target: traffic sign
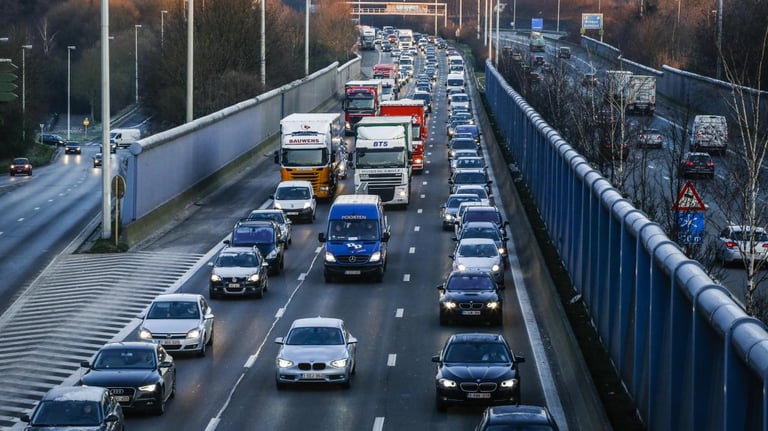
x: 537, y: 24
x: 118, y: 186
x: 690, y: 227
x: 689, y: 199
x: 592, y: 21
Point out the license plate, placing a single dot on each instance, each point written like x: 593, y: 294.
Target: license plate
x: 171, y: 342
x: 470, y: 313
x: 478, y: 395
x: 234, y: 285
x: 352, y: 272
x: 311, y: 376
x: 122, y: 398
x: 292, y: 213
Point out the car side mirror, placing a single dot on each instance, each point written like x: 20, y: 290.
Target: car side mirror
x: 436, y: 358
x: 272, y: 197
x: 385, y: 236
x: 210, y: 264
x: 227, y: 242
x: 111, y: 418
x: 279, y: 340
x: 352, y: 340
x: 452, y: 256
x: 321, y: 237
x: 440, y: 287
x: 454, y: 238
x: 25, y: 418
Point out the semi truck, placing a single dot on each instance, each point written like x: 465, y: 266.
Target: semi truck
x: 617, y: 86
x: 309, y: 150
x: 709, y: 133
x: 382, y: 158
x: 361, y: 99
x: 367, y: 38
x: 414, y: 108
x: 642, y: 95
x: 536, y: 42
x: 386, y: 71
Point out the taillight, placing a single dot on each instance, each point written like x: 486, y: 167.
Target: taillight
x: 688, y: 163
x: 730, y: 244
x: 710, y: 164
x: 765, y: 245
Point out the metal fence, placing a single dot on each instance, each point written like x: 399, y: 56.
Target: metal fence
x: 686, y: 352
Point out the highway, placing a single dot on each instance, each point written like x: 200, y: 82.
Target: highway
x: 396, y: 321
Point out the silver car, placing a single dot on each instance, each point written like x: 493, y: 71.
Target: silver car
x: 450, y: 208
x: 479, y: 254
x: 316, y: 350
x: 735, y: 241
x: 278, y: 216
x: 180, y: 322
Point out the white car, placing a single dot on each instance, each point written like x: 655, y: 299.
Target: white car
x: 479, y: 254
x: 479, y: 191
x: 316, y: 350
x: 297, y: 200
x: 734, y: 244
x: 180, y: 322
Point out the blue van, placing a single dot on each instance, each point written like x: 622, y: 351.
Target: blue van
x: 355, y: 238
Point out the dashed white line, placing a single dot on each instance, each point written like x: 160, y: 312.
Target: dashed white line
x: 37, y: 208
x: 391, y: 360
x: 318, y: 249
x: 21, y: 219
x: 416, y: 228
x: 280, y: 312
x: 378, y: 423
x: 419, y: 211
x: 406, y: 277
x: 412, y: 250
x: 424, y: 183
x: 422, y: 196
x: 399, y: 312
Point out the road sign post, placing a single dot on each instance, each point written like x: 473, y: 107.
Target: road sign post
x: 7, y: 80
x: 85, y: 124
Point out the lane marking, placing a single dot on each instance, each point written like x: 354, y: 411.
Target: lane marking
x: 399, y: 312
x: 378, y: 423
x: 302, y: 276
x: 406, y: 277
x: 412, y: 250
x: 21, y: 219
x: 416, y: 228
x: 424, y: 183
x: 419, y: 211
x: 422, y: 196
x: 392, y: 360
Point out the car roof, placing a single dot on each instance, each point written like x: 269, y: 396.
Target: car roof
x: 311, y: 322
x: 75, y: 393
x: 479, y: 224
x: 294, y: 183
x: 178, y: 297
x: 518, y: 414
x: 129, y: 344
x: 256, y: 223
x: 475, y: 337
x: 488, y: 208
x: 476, y: 241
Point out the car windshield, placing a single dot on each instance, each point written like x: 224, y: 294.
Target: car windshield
x: 292, y: 193
x: 250, y: 235
x: 238, y: 260
x: 455, y: 201
x: 476, y: 352
x: 173, y: 310
x: 469, y: 163
x: 478, y: 250
x: 269, y: 216
x: 463, y: 144
x: 380, y: 158
x: 491, y: 216
x: 469, y: 178
x: 20, y: 161
x: 304, y: 157
x: 133, y: 359
x: 353, y: 230
x: 470, y: 282
x: 481, y: 193
x: 489, y: 232
x: 315, y: 336
x: 67, y: 413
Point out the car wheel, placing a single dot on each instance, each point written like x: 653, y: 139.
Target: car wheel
x: 280, y: 385
x: 160, y: 409
x: 13, y: 174
x: 440, y: 405
x: 210, y: 340
x: 30, y: 173
x: 259, y: 293
x: 328, y: 277
x: 201, y: 352
x: 212, y: 294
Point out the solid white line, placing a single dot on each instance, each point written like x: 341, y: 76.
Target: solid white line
x: 21, y: 219
x: 406, y: 277
x: 212, y: 424
x: 378, y: 423
x: 392, y: 360
x: 399, y: 312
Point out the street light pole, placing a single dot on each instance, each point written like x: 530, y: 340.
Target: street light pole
x: 24, y: 49
x: 162, y: 28
x: 719, y: 38
x: 263, y: 44
x: 558, y: 16
x: 69, y: 51
x: 306, y: 40
x: 190, y: 58
x: 136, y: 60
x: 106, y: 170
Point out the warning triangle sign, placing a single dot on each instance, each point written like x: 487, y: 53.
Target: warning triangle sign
x: 689, y: 199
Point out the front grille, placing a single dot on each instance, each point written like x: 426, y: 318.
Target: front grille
x: 306, y: 366
x: 122, y: 392
x: 304, y: 175
x: 352, y: 259
x: 478, y: 387
x: 471, y: 305
x: 161, y: 337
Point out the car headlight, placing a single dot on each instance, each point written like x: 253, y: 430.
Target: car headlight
x: 145, y: 334
x: 502, y: 250
x: 215, y: 278
x: 148, y: 388
x: 278, y: 206
x: 284, y: 363
x: 195, y: 333
x: 253, y: 278
x: 493, y: 305
x: 495, y: 268
x: 446, y: 383
x: 461, y: 267
x: 375, y: 257
x: 307, y: 205
x: 448, y: 217
x: 511, y: 383
x: 449, y: 305
x: 272, y: 254
x: 329, y: 257
x: 339, y: 363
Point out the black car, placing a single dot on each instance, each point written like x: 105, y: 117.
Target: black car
x: 140, y: 375
x: 697, y: 165
x: 476, y: 369
x: 72, y: 147
x: 20, y: 165
x: 469, y: 176
x: 81, y: 408
x: 263, y: 234
x: 98, y: 160
x: 485, y: 213
x: 519, y: 417
x: 471, y: 296
x: 49, y: 139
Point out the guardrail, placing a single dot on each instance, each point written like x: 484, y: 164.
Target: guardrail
x: 686, y: 352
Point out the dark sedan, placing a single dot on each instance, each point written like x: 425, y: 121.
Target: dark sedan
x: 72, y: 147
x: 471, y: 296
x: 20, y: 165
x: 263, y: 234
x: 140, y: 375
x: 76, y: 408
x: 520, y: 417
x: 476, y: 369
x: 697, y: 165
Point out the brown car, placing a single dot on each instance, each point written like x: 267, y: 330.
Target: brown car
x: 21, y: 165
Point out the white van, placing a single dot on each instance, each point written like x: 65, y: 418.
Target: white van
x: 123, y: 138
x: 454, y: 80
x: 297, y: 199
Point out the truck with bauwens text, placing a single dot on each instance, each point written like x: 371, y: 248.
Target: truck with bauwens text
x: 382, y: 158
x: 309, y: 150
x: 361, y: 99
x: 415, y: 109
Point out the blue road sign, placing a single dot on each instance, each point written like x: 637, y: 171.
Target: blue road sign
x: 537, y: 24
x: 592, y: 21
x: 691, y: 227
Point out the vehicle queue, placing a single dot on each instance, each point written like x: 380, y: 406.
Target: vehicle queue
x: 322, y: 349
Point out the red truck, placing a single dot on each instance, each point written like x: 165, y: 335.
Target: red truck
x: 415, y: 109
x: 386, y: 70
x: 361, y: 99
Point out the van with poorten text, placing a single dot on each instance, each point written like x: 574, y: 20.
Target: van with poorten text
x: 355, y: 238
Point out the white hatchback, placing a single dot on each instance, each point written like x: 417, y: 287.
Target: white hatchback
x: 296, y: 199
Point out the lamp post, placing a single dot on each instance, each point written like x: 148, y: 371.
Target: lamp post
x: 263, y: 44
x: 106, y: 170
x: 306, y: 40
x: 69, y: 51
x: 24, y: 49
x: 162, y: 28
x: 136, y: 60
x: 190, y: 58
x: 719, y: 38
x: 558, y: 16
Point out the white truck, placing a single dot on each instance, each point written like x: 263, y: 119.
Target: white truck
x: 617, y: 86
x: 709, y: 133
x: 367, y: 38
x: 123, y: 138
x: 642, y: 95
x: 309, y: 150
x: 382, y: 160
x: 388, y: 90
x: 405, y: 38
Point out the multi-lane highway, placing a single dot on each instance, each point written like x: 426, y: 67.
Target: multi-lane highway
x: 90, y: 299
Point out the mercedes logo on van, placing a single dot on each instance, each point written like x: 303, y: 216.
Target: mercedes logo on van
x: 352, y: 259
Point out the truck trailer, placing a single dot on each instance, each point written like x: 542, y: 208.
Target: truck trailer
x: 642, y: 95
x: 414, y: 108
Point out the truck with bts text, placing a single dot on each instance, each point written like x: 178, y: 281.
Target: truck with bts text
x: 382, y: 158
x: 361, y: 99
x: 309, y: 150
x: 415, y: 109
